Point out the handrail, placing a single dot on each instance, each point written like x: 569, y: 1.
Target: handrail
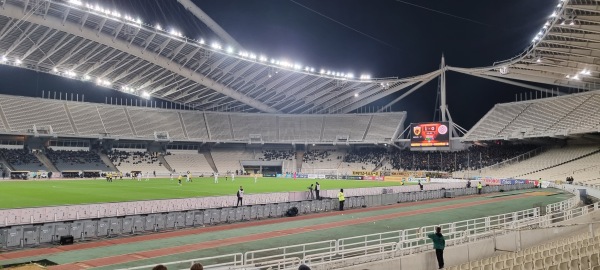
x: 238, y: 259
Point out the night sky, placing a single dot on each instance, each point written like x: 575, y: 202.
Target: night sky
x: 410, y: 41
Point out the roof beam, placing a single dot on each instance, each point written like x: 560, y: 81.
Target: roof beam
x: 202, y: 16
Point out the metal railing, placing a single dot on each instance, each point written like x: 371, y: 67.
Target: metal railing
x: 228, y: 261
x: 270, y: 255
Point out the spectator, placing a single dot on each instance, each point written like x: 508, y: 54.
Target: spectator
x: 303, y: 267
x: 160, y: 267
x: 439, y: 243
x: 197, y: 266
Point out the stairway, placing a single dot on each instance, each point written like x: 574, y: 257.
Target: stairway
x: 209, y: 159
x: 107, y: 161
x: 6, y: 165
x: 299, y: 159
x: 164, y: 162
x: 47, y: 163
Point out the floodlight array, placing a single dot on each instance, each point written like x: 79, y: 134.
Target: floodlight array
x: 216, y: 46
x: 558, y: 16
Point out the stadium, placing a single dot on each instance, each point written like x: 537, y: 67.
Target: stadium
x: 182, y: 152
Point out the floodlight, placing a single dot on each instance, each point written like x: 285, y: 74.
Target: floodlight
x: 158, y: 27
x: 201, y: 41
x: 145, y: 94
x: 54, y: 70
x: 18, y: 61
x: 355, y: 94
x: 86, y: 77
x: 229, y: 49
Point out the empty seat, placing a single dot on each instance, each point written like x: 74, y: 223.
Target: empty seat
x: 594, y: 260
x: 584, y: 263
x: 539, y: 263
x: 564, y: 266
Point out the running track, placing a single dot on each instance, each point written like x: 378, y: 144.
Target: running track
x: 124, y: 258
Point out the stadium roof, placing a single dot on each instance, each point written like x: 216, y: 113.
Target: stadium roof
x: 564, y: 52
x: 76, y: 40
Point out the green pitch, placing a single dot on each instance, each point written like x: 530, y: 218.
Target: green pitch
x: 17, y: 194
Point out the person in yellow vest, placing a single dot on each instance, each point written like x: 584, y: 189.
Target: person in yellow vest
x: 402, y: 182
x: 342, y: 199
x: 479, y: 187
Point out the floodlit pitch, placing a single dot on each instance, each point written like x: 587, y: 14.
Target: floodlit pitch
x: 16, y: 194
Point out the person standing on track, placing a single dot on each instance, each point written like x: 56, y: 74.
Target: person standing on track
x: 255, y: 178
x: 232, y: 177
x: 139, y: 176
x: 479, y: 187
x: 216, y: 174
x: 342, y: 199
x: 240, y: 197
x: 439, y: 243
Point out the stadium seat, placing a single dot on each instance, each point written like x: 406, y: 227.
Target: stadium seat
x: 539, y: 264
x: 594, y: 260
x: 584, y: 263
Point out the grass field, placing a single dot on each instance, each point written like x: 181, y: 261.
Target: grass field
x: 17, y: 194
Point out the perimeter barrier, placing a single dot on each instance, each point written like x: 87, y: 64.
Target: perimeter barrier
x: 38, y: 233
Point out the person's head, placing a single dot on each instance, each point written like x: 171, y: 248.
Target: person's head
x: 303, y: 267
x: 438, y: 229
x: 317, y: 183
x: 159, y: 267
x: 342, y: 190
x: 197, y: 266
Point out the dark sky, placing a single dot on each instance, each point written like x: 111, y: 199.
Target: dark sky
x: 415, y: 40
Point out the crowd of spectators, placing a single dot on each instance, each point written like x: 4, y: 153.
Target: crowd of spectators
x: 475, y: 157
x: 21, y: 158
x: 64, y: 159
x: 367, y: 156
x: 319, y: 156
x: 119, y: 157
x: 269, y: 155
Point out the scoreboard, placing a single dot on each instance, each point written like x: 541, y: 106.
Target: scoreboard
x: 432, y: 134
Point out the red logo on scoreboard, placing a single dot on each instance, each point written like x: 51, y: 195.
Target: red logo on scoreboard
x: 417, y: 130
